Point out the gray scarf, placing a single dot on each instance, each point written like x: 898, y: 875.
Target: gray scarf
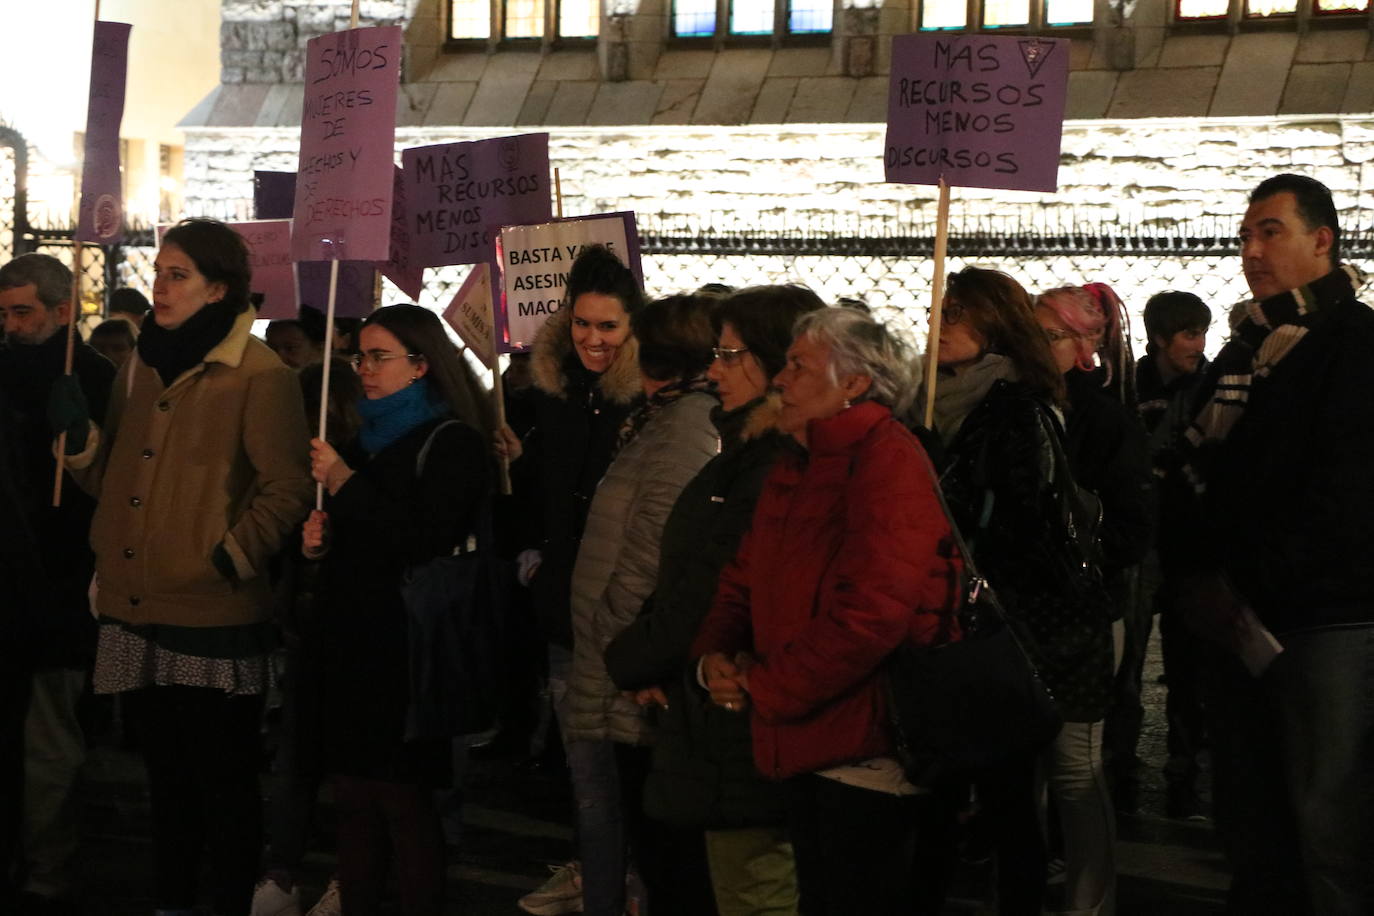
x: 958, y: 391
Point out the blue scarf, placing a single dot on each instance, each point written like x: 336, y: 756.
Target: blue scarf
x: 387, y: 419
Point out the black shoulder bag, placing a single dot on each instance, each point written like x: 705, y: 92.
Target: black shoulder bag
x: 453, y: 608
x: 969, y: 704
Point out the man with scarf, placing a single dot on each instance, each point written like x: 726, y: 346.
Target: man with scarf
x: 1281, y: 456
x: 35, y: 303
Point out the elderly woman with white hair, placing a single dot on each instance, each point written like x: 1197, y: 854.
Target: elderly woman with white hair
x: 848, y: 557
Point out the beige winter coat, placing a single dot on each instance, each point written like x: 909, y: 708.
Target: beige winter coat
x: 617, y: 563
x: 221, y: 456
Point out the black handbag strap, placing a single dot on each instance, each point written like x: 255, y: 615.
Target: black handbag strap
x: 485, y: 531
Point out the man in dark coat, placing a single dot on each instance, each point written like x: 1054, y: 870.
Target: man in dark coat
x: 35, y: 305
x: 1284, y: 451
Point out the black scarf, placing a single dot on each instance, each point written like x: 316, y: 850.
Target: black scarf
x: 173, y: 352
x: 1270, y: 330
x: 646, y: 411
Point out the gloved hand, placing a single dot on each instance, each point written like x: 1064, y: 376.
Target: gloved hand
x: 69, y: 413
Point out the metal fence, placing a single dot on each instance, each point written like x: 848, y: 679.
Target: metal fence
x: 888, y: 268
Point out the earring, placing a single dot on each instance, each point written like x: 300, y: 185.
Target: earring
x: 846, y: 404
x: 413, y: 380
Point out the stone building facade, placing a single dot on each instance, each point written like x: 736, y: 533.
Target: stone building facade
x: 1170, y: 123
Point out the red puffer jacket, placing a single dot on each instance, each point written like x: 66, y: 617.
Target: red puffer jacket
x: 849, y: 554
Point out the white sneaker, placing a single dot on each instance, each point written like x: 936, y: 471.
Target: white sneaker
x: 329, y: 903
x: 562, y: 893
x: 270, y: 900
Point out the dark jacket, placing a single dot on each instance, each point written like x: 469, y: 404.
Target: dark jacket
x: 577, y: 423
x: 1290, y: 493
x: 1107, y: 453
x: 65, y: 634
x: 383, y: 521
x: 703, y: 771
x: 22, y: 574
x: 1002, y: 450
x: 1166, y: 411
x: 849, y: 555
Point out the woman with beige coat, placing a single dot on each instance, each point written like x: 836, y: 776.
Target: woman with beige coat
x: 201, y: 474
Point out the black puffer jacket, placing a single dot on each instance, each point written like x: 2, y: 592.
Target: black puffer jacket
x: 1002, y: 451
x: 703, y: 771
x: 65, y: 634
x: 577, y: 418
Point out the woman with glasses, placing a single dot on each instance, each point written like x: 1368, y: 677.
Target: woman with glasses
x: 405, y: 491
x: 702, y: 775
x: 998, y: 399
x: 201, y: 473
x: 1107, y: 453
x: 847, y: 557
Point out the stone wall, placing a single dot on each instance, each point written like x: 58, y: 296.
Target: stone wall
x: 1172, y: 175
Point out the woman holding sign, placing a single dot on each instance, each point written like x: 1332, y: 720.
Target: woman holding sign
x: 586, y: 380
x: 201, y: 477
x: 406, y: 491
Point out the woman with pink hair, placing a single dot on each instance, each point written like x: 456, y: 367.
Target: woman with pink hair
x: 1107, y: 454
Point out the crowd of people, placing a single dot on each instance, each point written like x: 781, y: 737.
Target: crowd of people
x: 728, y: 509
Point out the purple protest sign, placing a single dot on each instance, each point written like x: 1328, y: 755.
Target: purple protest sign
x: 976, y: 110
x: 401, y: 268
x: 534, y: 264
x: 457, y: 191
x: 348, y: 127
x: 273, y: 194
x: 101, y: 213
x: 274, y: 276
x: 357, y: 287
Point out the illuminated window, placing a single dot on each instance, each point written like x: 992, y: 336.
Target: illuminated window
x: 944, y: 15
x: 1001, y: 14
x: 472, y: 19
x: 1258, y: 10
x: 469, y: 19
x: 524, y: 19
x: 752, y: 18
x: 579, y: 18
x: 1266, y: 8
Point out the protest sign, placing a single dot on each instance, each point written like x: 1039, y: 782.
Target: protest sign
x: 976, y: 110
x: 273, y: 194
x: 344, y: 181
x: 458, y: 193
x: 357, y: 290
x: 472, y: 316
x: 535, y: 261
x: 274, y: 276
x: 402, y: 268
x: 101, y: 214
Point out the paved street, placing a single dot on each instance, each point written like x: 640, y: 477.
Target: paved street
x: 514, y: 824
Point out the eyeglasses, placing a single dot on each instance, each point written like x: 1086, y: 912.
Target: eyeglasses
x: 952, y: 313
x: 729, y: 356
x: 373, y: 359
x: 1058, y: 334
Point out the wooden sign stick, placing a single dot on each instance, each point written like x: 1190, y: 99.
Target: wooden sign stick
x: 328, y: 358
x: 937, y: 300
x: 74, y: 312
x: 558, y: 193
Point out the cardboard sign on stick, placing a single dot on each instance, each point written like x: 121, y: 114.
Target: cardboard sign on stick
x: 976, y: 110
x: 101, y: 213
x: 348, y: 126
x: 535, y: 261
x: 471, y: 314
x: 274, y: 276
x: 356, y: 291
x: 458, y: 191
x: 401, y: 268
